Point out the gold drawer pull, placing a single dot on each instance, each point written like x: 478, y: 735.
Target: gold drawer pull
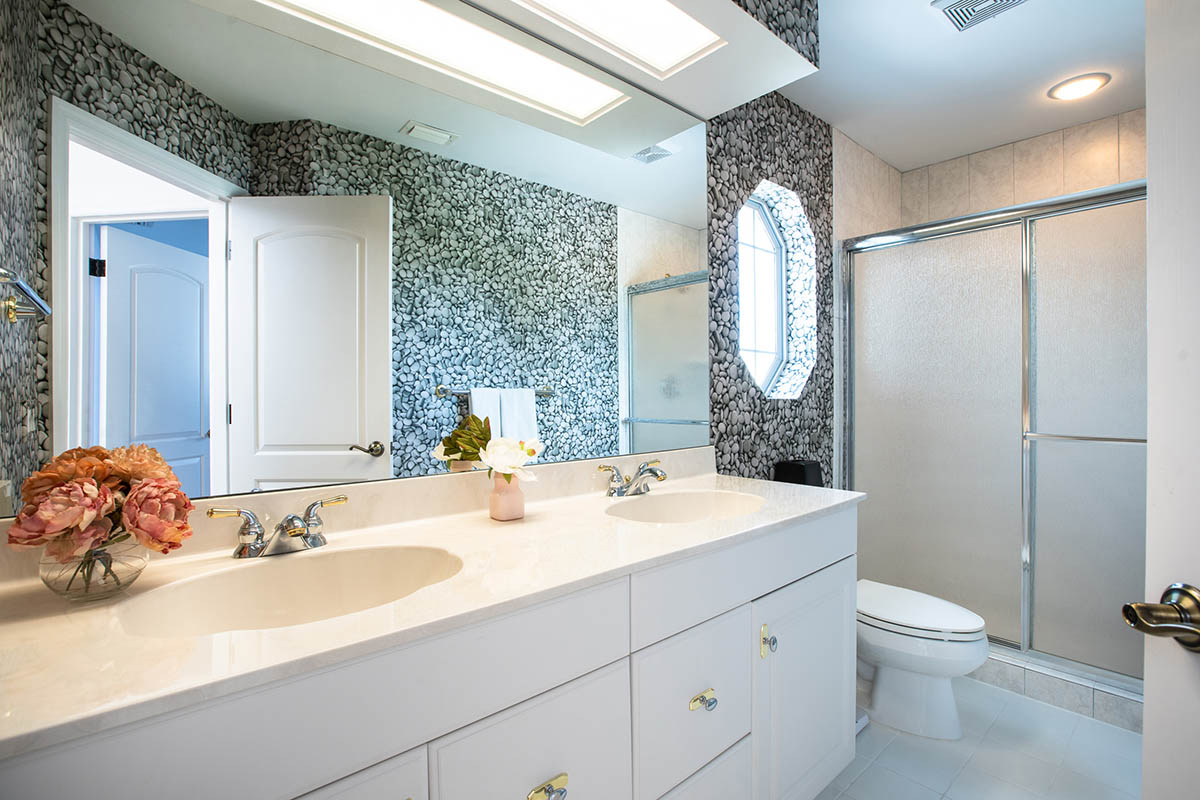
x: 553, y: 789
x: 706, y: 700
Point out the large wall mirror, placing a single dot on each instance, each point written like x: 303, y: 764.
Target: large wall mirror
x: 352, y: 257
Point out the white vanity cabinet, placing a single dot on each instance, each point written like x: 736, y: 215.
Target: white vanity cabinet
x: 403, y: 777
x: 804, y: 684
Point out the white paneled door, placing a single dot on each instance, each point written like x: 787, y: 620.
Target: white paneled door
x: 154, y: 357
x: 309, y: 340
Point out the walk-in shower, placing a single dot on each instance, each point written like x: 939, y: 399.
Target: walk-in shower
x: 995, y: 414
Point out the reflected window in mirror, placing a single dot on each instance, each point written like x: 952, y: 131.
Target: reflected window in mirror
x: 777, y: 303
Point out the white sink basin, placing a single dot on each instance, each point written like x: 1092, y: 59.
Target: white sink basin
x: 286, y: 590
x: 666, y: 508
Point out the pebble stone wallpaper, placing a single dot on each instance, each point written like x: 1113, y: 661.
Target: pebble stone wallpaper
x: 19, y: 343
x: 793, y: 21
x: 498, y: 281
x: 775, y: 140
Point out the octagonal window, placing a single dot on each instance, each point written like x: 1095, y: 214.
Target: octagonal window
x: 777, y: 304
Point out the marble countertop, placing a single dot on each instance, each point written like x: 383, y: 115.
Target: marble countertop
x: 67, y: 671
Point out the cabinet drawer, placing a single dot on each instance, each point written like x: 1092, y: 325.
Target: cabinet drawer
x: 404, y: 777
x: 672, y: 740
x: 728, y: 776
x: 581, y: 729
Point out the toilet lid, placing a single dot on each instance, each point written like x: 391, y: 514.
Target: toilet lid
x: 910, y: 609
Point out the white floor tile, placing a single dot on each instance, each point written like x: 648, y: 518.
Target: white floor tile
x: 975, y: 784
x: 846, y: 777
x: 1034, y: 728
x: 1070, y: 785
x: 872, y: 740
x: 1013, y: 766
x: 878, y: 783
x: 1102, y: 737
x: 830, y: 792
x: 1118, y: 771
x: 930, y: 762
x: 979, y: 704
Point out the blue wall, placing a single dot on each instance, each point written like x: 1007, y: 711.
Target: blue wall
x: 186, y: 234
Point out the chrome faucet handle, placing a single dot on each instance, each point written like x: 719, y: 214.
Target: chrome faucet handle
x: 250, y: 535
x: 647, y: 465
x: 310, y: 513
x: 617, y: 482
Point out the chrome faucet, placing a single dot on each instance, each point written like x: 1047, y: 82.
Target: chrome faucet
x: 292, y: 534
x: 623, y: 486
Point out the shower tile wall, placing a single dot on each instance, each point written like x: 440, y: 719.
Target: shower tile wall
x: 1088, y: 156
x: 866, y: 190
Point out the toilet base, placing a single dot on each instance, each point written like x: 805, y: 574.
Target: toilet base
x: 920, y: 704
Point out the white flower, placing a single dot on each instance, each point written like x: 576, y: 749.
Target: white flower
x: 439, y: 453
x: 509, y: 457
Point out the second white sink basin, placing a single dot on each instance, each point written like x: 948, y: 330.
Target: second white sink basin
x: 284, y: 590
x: 665, y: 508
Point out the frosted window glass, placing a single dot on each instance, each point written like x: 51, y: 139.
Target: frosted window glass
x: 1089, y: 550
x: 669, y: 364
x: 1089, y: 323
x: 937, y: 420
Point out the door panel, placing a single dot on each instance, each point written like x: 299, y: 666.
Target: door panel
x: 804, y: 690
x: 156, y: 359
x: 310, y: 319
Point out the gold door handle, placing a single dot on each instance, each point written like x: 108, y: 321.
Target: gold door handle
x: 1177, y: 615
x: 706, y: 700
x: 766, y: 642
x: 553, y: 789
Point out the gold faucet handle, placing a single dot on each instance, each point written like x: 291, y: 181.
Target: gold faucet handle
x: 216, y: 513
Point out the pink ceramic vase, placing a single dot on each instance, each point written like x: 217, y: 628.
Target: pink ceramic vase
x: 507, y: 500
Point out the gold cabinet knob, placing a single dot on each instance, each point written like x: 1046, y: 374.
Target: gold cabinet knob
x: 553, y: 789
x: 706, y: 700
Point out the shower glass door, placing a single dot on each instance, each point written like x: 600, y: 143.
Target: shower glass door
x: 937, y: 363
x: 1087, y: 432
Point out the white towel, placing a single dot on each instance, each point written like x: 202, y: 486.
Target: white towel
x: 486, y: 403
x: 518, y: 414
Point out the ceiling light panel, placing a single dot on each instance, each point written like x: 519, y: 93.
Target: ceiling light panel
x: 435, y: 38
x: 1080, y: 86
x: 653, y: 35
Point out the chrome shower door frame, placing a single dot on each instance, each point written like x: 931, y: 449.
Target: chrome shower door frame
x: 1024, y: 215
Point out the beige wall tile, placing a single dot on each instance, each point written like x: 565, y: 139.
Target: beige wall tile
x: 1090, y: 155
x: 894, y: 205
x: 863, y: 198
x: 1002, y: 674
x: 1038, y: 168
x: 990, y: 176
x: 914, y: 196
x: 1119, y: 711
x: 949, y: 188
x: 1131, y: 129
x: 1058, y: 692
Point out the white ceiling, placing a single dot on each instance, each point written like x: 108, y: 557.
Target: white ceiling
x: 263, y: 77
x: 901, y: 81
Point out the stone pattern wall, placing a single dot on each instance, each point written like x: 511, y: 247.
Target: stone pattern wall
x: 497, y: 281
x: 793, y: 21
x: 771, y: 139
x: 25, y: 389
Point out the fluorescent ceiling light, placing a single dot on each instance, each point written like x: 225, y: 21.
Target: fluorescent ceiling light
x: 435, y: 38
x: 1079, y: 86
x: 653, y: 35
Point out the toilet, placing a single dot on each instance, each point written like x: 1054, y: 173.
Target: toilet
x: 911, y: 645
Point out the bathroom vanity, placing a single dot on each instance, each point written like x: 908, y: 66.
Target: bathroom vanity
x: 689, y: 643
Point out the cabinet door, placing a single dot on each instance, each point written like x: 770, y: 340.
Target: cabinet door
x: 580, y: 731
x: 404, y: 777
x: 726, y: 777
x: 804, y: 689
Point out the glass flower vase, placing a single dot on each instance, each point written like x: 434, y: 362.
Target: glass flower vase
x: 98, y: 573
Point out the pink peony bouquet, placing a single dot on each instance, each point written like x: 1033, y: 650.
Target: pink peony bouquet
x: 90, y: 497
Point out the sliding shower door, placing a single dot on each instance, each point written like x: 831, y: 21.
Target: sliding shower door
x: 998, y: 420
x: 937, y: 418
x: 1087, y: 432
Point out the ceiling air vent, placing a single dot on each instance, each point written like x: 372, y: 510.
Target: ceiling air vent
x: 651, y: 154
x: 966, y: 13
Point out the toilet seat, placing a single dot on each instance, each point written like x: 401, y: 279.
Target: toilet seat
x: 910, y: 613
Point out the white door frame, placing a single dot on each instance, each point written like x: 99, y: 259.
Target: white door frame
x: 71, y: 124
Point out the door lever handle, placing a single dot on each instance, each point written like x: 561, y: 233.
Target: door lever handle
x: 374, y: 449
x: 1177, y: 615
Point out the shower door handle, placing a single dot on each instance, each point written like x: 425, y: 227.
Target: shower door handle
x: 1177, y: 615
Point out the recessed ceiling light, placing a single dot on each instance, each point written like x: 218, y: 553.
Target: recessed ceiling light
x: 653, y: 35
x: 435, y: 38
x: 1079, y: 86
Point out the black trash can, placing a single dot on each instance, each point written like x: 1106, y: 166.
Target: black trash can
x: 803, y: 471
